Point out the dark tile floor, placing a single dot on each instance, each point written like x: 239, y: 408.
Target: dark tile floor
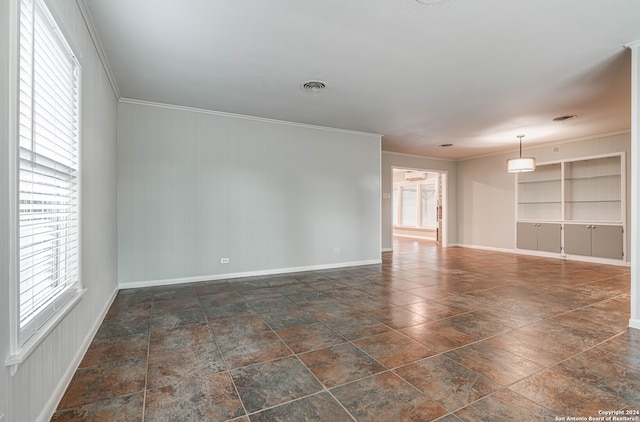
x: 456, y: 334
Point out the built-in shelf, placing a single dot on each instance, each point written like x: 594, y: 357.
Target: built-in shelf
x: 592, y: 202
x: 604, y: 176
x: 583, y: 192
x: 584, y: 189
x: 526, y: 182
x: 540, y: 193
x: 593, y: 189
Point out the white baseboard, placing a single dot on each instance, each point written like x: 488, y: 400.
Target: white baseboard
x: 634, y: 323
x: 387, y: 249
x: 56, y: 396
x: 540, y: 254
x: 484, y: 248
x: 594, y: 260
x: 164, y: 282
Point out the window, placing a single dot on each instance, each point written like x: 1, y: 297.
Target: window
x: 429, y: 204
x: 409, y: 202
x: 415, y: 204
x: 48, y: 180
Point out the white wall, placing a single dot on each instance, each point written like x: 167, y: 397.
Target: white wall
x: 196, y: 186
x: 634, y: 321
x: 391, y: 160
x: 34, y: 391
x: 486, y: 192
x: 4, y: 209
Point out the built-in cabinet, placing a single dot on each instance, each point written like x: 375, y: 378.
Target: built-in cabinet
x: 545, y: 237
x: 574, y: 207
x: 604, y: 241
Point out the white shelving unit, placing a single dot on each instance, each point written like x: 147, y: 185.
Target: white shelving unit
x: 577, y: 197
x: 540, y: 193
x: 593, y: 190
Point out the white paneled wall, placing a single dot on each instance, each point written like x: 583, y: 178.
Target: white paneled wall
x: 33, y: 393
x: 196, y: 186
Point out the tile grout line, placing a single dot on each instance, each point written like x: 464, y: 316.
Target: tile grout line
x: 385, y: 270
x: 146, y: 375
x: 550, y: 367
x: 227, y: 368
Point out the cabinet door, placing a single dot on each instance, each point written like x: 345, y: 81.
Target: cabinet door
x: 577, y: 239
x: 606, y: 241
x: 527, y: 236
x: 549, y: 237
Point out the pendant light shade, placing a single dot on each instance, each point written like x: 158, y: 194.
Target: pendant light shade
x: 521, y: 164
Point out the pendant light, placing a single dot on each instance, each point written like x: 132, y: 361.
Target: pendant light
x: 521, y: 164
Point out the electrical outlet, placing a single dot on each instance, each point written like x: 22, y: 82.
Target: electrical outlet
x: 224, y: 260
x: 336, y: 250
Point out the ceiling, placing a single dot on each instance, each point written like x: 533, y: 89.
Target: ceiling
x: 473, y: 73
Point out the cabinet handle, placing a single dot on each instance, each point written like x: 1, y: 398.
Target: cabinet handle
x: 588, y: 227
x: 593, y: 227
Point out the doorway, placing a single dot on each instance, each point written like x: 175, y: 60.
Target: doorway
x: 419, y: 201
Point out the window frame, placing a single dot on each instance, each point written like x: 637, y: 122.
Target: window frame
x: 397, y: 189
x: 64, y: 302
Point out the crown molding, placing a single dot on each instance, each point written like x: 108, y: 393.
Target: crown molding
x: 402, y: 154
x: 633, y: 44
x: 242, y: 116
x: 552, y: 143
x: 93, y: 33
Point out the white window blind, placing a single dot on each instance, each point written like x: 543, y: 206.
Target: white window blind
x: 48, y: 192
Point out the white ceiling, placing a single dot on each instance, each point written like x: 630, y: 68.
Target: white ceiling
x: 474, y: 73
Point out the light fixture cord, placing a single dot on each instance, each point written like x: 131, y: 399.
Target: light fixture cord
x: 521, y: 147
x: 520, y: 137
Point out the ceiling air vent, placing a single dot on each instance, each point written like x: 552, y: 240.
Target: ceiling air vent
x: 565, y: 118
x: 313, y: 87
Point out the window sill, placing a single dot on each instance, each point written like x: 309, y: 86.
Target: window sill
x: 14, y: 361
